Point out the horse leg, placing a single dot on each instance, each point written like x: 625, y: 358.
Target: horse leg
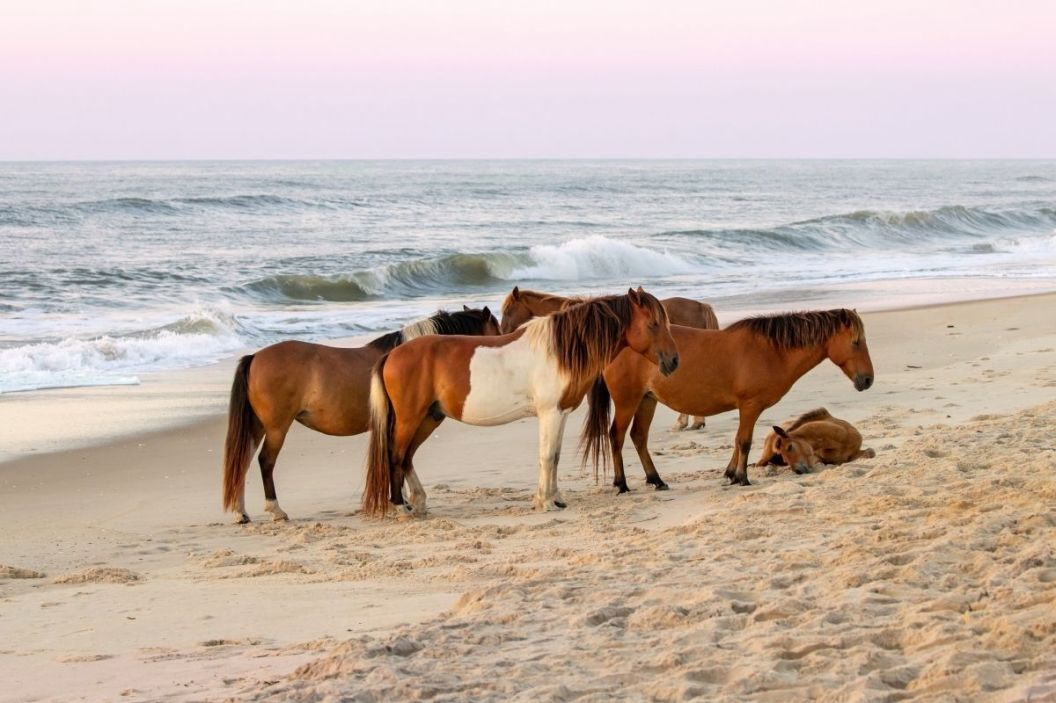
x: 743, y: 443
x: 414, y: 485
x: 551, y: 425
x: 640, y: 436
x: 402, y: 438
x: 680, y: 422
x: 731, y: 465
x: 559, y: 497
x: 698, y: 423
x: 273, y: 441
x: 241, y: 516
x: 621, y: 420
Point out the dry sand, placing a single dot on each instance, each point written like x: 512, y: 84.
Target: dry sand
x: 927, y: 573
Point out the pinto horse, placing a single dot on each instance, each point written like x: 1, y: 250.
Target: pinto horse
x: 522, y: 305
x: 324, y: 388
x: 748, y: 366
x: 812, y: 438
x: 543, y: 368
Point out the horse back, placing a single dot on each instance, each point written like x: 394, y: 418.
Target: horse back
x: 690, y: 313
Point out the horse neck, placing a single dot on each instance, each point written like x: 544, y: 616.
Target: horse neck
x: 540, y: 307
x: 800, y: 360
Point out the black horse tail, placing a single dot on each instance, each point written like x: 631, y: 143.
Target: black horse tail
x: 594, y: 440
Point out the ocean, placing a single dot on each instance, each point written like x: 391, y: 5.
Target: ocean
x: 111, y: 270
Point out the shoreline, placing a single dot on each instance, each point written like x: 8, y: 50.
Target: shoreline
x: 144, y: 590
x: 146, y: 408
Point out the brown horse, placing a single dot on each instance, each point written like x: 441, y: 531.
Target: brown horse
x: 812, y: 438
x: 522, y: 305
x: 543, y: 368
x: 324, y: 388
x: 749, y: 366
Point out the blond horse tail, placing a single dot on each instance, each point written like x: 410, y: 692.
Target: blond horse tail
x: 379, y: 458
x: 243, y: 430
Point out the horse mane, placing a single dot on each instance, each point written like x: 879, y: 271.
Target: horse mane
x: 585, y: 337
x: 809, y: 416
x: 795, y: 330
x: 443, y: 322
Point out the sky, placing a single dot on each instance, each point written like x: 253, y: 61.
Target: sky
x: 197, y: 79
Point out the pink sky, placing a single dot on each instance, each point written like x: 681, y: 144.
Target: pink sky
x: 461, y: 78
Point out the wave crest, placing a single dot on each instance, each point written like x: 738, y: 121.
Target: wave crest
x: 202, y: 337
x: 589, y: 258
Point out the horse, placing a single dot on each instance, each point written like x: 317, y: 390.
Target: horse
x: 522, y: 305
x: 543, y: 368
x: 748, y: 367
x: 812, y: 438
x: 326, y: 389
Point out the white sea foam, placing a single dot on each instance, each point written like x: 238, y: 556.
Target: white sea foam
x: 199, y: 338
x: 599, y: 257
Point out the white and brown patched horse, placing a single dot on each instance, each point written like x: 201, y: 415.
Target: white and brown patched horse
x: 324, y: 388
x: 522, y: 305
x: 543, y: 368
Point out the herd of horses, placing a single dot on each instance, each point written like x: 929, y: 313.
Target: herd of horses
x: 623, y: 353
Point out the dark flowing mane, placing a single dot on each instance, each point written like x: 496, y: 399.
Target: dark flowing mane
x: 585, y: 337
x: 469, y: 322
x: 795, y: 330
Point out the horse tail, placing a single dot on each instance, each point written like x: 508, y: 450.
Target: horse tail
x: 379, y: 458
x: 243, y: 428
x: 594, y: 438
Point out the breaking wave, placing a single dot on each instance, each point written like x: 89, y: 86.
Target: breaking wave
x: 202, y: 337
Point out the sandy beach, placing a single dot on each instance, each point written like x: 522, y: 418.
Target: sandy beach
x: 925, y: 573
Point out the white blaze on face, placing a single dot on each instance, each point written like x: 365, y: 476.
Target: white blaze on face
x: 511, y: 382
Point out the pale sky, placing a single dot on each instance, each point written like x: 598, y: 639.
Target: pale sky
x: 152, y: 79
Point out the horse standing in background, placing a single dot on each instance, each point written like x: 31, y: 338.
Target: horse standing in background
x: 522, y: 305
x: 748, y: 367
x: 543, y: 368
x: 326, y: 389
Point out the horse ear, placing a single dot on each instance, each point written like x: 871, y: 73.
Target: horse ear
x: 466, y: 308
x: 780, y: 431
x: 633, y: 295
x: 485, y: 313
x: 515, y: 293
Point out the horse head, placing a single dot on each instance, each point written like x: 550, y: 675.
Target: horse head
x: 649, y: 332
x: 848, y: 350
x: 490, y: 324
x: 797, y: 453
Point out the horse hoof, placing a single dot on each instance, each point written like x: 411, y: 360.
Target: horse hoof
x: 662, y: 487
x: 241, y: 519
x: 561, y: 504
x: 623, y: 489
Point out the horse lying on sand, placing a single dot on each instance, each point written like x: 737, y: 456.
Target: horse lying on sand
x: 324, y: 388
x: 522, y: 305
x: 812, y: 438
x: 543, y: 368
x: 748, y: 367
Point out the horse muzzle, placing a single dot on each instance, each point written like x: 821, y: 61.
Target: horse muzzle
x: 668, y: 363
x: 863, y: 381
x: 801, y: 467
